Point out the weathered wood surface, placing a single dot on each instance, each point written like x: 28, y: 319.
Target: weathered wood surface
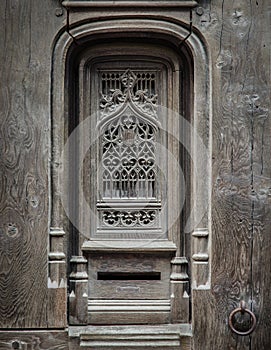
x: 35, y: 340
x: 239, y: 40
x: 28, y: 29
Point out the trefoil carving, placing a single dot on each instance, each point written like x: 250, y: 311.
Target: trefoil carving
x: 129, y: 218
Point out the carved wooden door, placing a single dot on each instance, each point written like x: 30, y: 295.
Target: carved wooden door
x: 135, y: 251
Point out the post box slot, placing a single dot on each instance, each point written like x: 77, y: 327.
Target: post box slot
x: 128, y: 276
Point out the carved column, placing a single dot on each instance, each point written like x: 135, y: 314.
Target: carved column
x: 57, y: 284
x: 200, y: 257
x: 179, y: 286
x: 78, y: 297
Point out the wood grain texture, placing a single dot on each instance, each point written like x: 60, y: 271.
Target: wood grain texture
x: 241, y: 174
x: 259, y: 109
x: 133, y: 263
x: 24, y: 115
x: 35, y: 340
x: 237, y: 34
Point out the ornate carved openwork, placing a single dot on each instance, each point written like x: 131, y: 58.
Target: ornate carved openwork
x: 118, y: 87
x: 129, y: 218
x: 167, y: 85
x: 128, y: 169
x: 128, y: 159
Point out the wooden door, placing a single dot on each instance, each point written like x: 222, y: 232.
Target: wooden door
x: 58, y: 286
x: 130, y: 224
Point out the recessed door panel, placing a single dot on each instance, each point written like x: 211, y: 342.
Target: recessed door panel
x: 131, y: 183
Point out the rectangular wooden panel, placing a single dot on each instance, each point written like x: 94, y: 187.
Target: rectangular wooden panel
x: 128, y: 276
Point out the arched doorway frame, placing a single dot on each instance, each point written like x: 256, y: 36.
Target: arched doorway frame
x: 177, y: 34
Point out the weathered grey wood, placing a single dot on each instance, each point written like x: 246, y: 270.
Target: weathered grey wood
x: 200, y: 258
x: 57, y: 281
x: 134, y: 337
x: 78, y: 296
x: 129, y: 263
x: 179, y: 280
x: 241, y: 173
x: 127, y: 251
x: 39, y: 340
x: 238, y: 41
x: 258, y: 107
x: 135, y: 3
x: 25, y: 112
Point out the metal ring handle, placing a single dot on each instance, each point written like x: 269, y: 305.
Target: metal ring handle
x: 243, y: 310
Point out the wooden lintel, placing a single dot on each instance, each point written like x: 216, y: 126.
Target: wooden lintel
x: 139, y: 3
x: 129, y: 246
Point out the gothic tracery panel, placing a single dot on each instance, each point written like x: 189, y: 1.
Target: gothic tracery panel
x: 128, y: 169
x: 128, y: 159
x: 119, y: 87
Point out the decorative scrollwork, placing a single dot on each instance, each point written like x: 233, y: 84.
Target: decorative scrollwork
x: 139, y: 89
x: 128, y: 218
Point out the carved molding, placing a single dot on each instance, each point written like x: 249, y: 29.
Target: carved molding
x: 200, y: 258
x: 57, y: 269
x: 174, y: 33
x: 179, y: 290
x: 134, y: 3
x: 173, y: 337
x: 78, y: 297
x: 57, y: 280
x: 140, y: 246
x: 141, y: 218
x: 179, y: 269
x: 121, y: 310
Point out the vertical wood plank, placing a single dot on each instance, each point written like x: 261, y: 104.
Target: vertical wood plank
x: 25, y: 112
x: 241, y: 173
x: 259, y: 110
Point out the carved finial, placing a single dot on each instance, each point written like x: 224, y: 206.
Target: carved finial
x: 128, y: 79
x: 137, y: 89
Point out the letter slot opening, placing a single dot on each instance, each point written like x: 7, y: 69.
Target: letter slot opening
x: 128, y: 276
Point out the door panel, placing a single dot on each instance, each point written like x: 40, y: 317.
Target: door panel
x: 132, y: 182
x: 228, y: 44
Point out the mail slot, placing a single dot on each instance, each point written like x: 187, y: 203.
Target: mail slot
x: 128, y: 276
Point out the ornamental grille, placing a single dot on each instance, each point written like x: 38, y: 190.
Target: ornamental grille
x: 118, y: 88
x: 128, y: 159
x: 128, y: 163
x: 114, y: 80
